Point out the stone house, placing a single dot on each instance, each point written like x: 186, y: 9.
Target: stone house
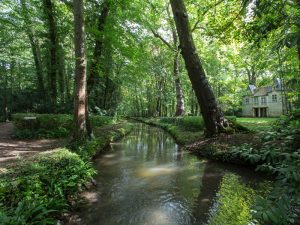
x: 267, y: 101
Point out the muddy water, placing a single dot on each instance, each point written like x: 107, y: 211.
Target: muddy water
x: 147, y: 180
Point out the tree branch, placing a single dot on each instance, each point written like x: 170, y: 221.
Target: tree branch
x: 157, y: 35
x: 206, y: 11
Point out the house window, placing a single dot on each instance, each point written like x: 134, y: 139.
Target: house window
x: 263, y: 100
x: 255, y: 100
x: 247, y: 101
x: 274, y: 98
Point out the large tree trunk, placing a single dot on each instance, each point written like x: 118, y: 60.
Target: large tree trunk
x: 80, y: 133
x: 52, y: 38
x: 35, y: 48
x: 211, y: 113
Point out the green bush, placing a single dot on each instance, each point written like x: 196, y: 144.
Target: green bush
x: 51, y: 125
x: 47, y: 183
x: 280, y: 155
x: 44, y: 126
x: 98, y: 121
x: 189, y: 123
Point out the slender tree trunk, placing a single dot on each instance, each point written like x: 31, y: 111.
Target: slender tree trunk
x: 61, y: 74
x: 180, y: 111
x: 211, y: 113
x: 12, y: 73
x: 35, y: 48
x: 5, y: 109
x: 68, y: 83
x: 298, y: 44
x: 95, y: 64
x: 80, y: 74
x: 52, y: 38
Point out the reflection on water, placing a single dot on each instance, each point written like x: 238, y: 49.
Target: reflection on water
x: 147, y: 180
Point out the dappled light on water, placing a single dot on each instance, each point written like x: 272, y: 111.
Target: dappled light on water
x: 147, y: 179
x: 158, y: 171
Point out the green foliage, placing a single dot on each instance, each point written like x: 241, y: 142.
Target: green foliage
x: 28, y: 213
x: 233, y: 204
x: 51, y: 125
x: 33, y: 189
x: 257, y: 124
x: 103, y: 137
x: 188, y: 123
x: 98, y: 121
x: 279, y: 155
x: 44, y: 126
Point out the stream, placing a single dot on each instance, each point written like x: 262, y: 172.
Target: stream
x: 146, y: 179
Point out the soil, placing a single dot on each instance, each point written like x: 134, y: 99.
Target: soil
x: 12, y: 150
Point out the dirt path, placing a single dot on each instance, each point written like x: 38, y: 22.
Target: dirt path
x: 12, y: 150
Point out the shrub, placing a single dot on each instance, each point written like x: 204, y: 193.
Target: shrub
x: 280, y: 155
x: 48, y: 182
x: 98, y: 121
x: 51, y: 125
x: 189, y: 123
x: 44, y: 126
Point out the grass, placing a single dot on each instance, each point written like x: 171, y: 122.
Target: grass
x: 257, y: 124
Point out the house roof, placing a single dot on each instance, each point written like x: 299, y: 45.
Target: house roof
x: 261, y: 91
x: 251, y: 88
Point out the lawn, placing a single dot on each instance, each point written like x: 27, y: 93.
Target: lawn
x: 257, y: 124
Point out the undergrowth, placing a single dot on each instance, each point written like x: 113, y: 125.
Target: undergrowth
x: 279, y: 155
x: 33, y: 192
x: 37, y: 126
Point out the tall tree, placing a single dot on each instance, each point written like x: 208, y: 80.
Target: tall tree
x: 80, y: 73
x: 95, y: 62
x: 211, y: 112
x: 35, y: 48
x: 180, y: 110
x: 52, y: 39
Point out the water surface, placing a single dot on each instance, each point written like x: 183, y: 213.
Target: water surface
x: 147, y: 180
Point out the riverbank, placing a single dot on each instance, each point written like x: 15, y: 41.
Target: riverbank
x: 41, y: 188
x: 273, y: 150
x: 188, y: 133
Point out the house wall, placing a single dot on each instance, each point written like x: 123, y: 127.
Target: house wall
x: 247, y: 109
x: 274, y: 109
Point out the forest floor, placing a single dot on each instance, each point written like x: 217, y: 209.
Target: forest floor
x: 12, y: 150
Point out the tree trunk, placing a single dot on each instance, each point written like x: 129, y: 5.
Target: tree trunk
x: 5, y: 109
x: 52, y: 38
x: 211, y: 113
x: 12, y: 73
x: 251, y: 76
x: 61, y: 74
x: 98, y: 49
x: 179, y: 93
x: 35, y: 48
x: 95, y: 65
x: 80, y: 112
x: 180, y: 110
x: 298, y: 43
